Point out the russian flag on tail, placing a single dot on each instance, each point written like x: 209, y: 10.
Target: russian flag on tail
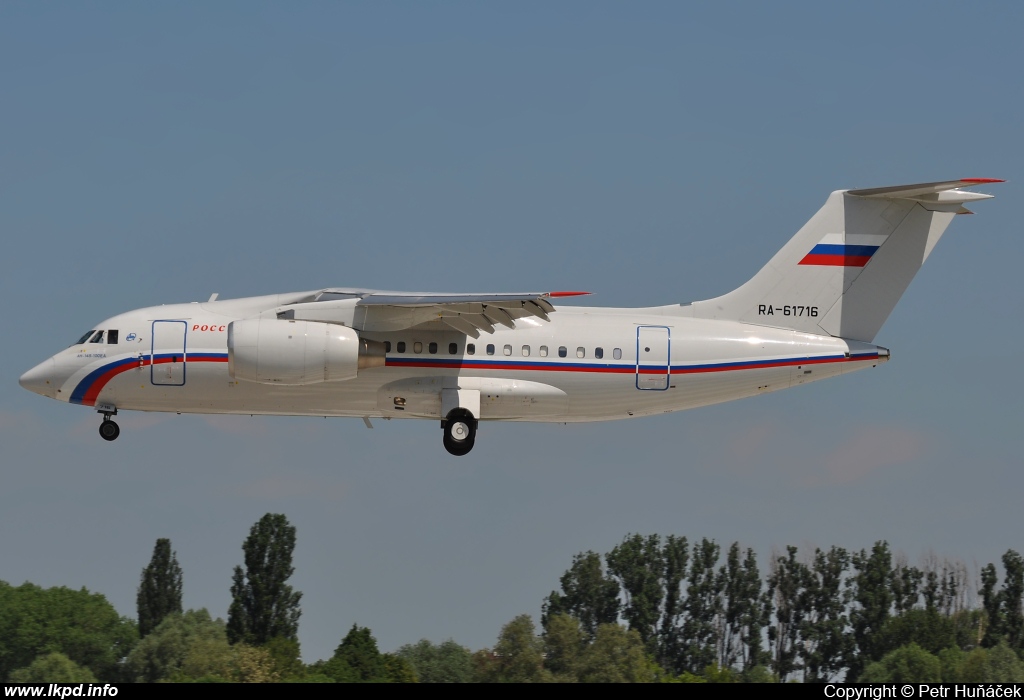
x: 844, y: 250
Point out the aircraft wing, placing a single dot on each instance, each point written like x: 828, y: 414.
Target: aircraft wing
x: 374, y: 310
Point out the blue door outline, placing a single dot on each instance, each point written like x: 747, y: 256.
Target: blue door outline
x: 650, y: 340
x: 170, y: 355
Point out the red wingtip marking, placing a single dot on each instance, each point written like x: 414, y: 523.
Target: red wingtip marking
x: 980, y: 180
x: 567, y: 294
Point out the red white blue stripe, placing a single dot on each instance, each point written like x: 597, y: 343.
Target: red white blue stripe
x: 88, y: 389
x: 839, y: 250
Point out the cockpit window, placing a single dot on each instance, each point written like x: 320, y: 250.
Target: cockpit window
x: 85, y: 337
x: 98, y: 338
x: 112, y: 337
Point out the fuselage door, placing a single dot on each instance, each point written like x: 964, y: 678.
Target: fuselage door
x: 653, y: 357
x: 168, y: 353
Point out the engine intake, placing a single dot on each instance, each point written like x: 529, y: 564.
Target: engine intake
x: 275, y: 351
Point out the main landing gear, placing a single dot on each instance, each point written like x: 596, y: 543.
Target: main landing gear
x: 109, y: 430
x: 459, y: 431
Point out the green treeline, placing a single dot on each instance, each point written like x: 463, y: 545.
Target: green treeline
x: 707, y: 615
x: 652, y: 609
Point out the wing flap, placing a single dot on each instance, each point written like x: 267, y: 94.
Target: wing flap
x: 461, y: 325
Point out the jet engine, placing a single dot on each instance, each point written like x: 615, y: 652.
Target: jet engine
x: 278, y: 351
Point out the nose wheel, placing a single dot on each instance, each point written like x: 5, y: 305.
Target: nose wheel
x: 459, y: 432
x: 109, y: 430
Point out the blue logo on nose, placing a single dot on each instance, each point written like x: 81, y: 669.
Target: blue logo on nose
x: 130, y: 337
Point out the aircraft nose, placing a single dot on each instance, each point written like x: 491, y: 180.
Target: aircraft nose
x: 40, y: 379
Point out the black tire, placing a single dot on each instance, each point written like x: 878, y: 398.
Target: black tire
x: 109, y: 430
x: 459, y: 432
x: 458, y: 448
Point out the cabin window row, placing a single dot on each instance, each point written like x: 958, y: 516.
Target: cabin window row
x: 490, y: 349
x: 417, y: 347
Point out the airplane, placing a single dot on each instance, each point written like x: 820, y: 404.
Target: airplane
x: 812, y: 312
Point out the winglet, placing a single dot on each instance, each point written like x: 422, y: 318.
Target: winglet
x: 566, y: 294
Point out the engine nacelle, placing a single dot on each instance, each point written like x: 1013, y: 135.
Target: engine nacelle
x: 276, y: 351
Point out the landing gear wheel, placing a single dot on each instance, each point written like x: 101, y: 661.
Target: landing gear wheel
x: 459, y: 432
x: 109, y: 430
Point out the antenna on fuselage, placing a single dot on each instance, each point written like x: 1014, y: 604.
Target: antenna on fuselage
x: 213, y: 297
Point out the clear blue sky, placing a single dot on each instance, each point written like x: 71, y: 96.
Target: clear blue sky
x: 649, y: 152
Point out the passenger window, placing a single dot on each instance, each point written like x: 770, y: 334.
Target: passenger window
x: 599, y: 353
x: 471, y: 349
x: 401, y: 346
x: 98, y: 338
x: 112, y: 337
x: 581, y: 352
x: 507, y: 350
x: 543, y: 351
x: 387, y: 346
x: 617, y: 353
x: 453, y: 348
x: 562, y: 352
x: 417, y: 347
x: 526, y: 351
x: 490, y: 349
x: 432, y: 348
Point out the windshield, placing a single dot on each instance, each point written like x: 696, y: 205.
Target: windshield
x: 85, y: 337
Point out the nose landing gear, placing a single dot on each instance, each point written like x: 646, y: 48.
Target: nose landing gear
x: 459, y: 431
x: 109, y: 430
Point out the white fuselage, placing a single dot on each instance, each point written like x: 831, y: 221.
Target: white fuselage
x: 585, y: 364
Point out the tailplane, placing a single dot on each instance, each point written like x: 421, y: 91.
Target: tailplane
x: 844, y: 271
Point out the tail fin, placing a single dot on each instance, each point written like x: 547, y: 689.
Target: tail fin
x: 844, y: 271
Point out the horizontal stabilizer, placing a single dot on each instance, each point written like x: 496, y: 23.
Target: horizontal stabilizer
x: 947, y: 191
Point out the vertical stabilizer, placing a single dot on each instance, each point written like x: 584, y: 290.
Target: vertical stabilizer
x: 844, y: 271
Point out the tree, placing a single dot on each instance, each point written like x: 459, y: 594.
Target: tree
x: 639, y: 564
x: 192, y: 637
x: 263, y: 606
x: 357, y: 660
x: 252, y: 665
x: 991, y: 603
x: 516, y: 658
x: 82, y: 626
x: 1010, y: 598
x: 675, y: 556
x: 587, y: 595
x: 739, y: 595
x: 160, y: 588
x: 287, y: 658
x: 53, y: 668
x: 702, y: 606
x: 192, y: 647
x: 926, y: 628
x: 564, y: 642
x: 207, y: 657
x: 447, y: 662
x: 909, y: 664
x: 825, y: 644
x: 617, y: 655
x: 788, y: 584
x: 906, y: 585
x: 872, y: 590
